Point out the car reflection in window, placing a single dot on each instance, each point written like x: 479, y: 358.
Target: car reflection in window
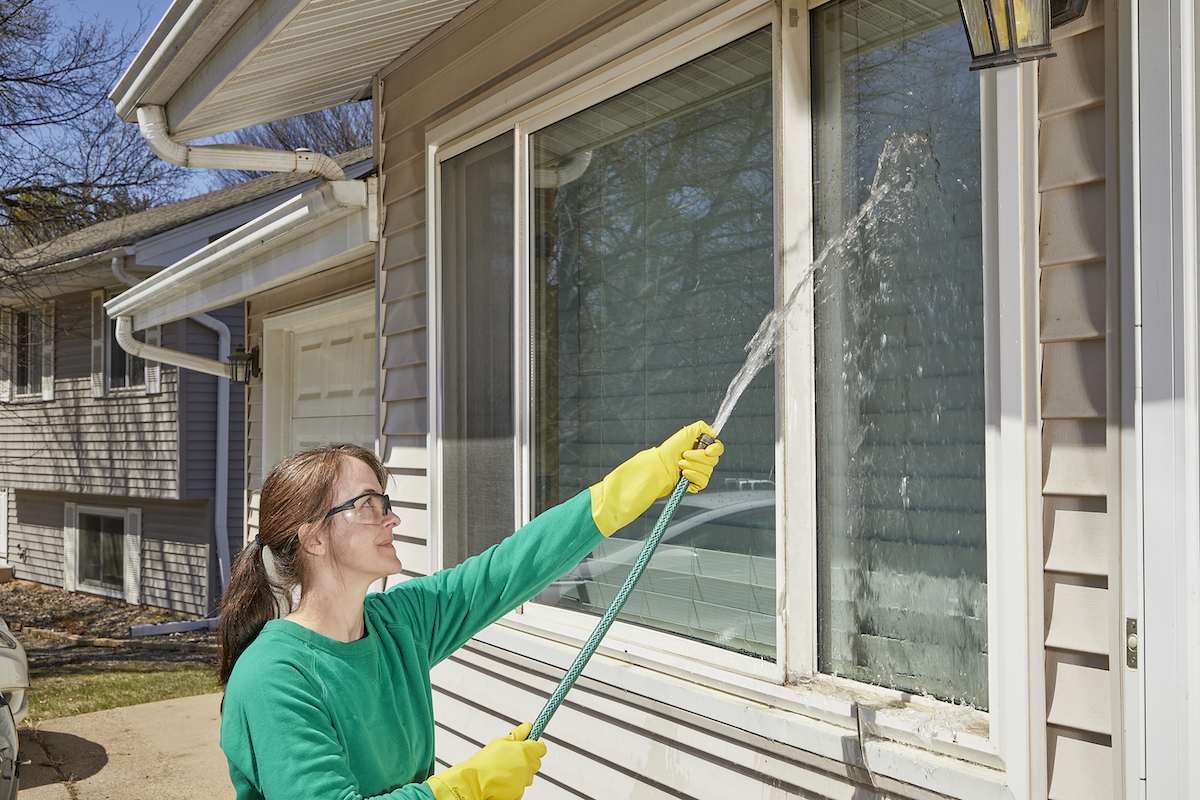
x: 712, y: 577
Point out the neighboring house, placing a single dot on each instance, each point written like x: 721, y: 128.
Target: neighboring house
x: 109, y: 469
x: 971, y: 564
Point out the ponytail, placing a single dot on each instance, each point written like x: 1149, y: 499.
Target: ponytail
x: 250, y: 600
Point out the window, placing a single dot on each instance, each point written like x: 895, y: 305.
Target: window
x: 28, y: 344
x: 113, y: 368
x: 102, y: 551
x: 649, y: 246
x: 902, y: 559
x: 125, y: 371
x: 27, y: 354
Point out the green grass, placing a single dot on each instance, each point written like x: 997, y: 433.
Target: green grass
x: 71, y: 689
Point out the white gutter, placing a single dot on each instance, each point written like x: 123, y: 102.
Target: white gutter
x: 228, y: 269
x: 179, y: 359
x: 153, y: 123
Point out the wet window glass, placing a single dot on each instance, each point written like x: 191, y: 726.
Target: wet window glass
x: 652, y: 261
x: 902, y: 575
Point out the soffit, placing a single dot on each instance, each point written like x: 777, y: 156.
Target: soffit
x: 231, y: 65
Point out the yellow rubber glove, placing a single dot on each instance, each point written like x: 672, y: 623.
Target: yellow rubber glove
x: 500, y: 771
x: 629, y: 489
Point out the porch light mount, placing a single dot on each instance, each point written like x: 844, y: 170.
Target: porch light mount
x: 243, y: 366
x: 1006, y: 31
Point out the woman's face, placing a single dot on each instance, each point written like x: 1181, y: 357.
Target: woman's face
x: 361, y: 548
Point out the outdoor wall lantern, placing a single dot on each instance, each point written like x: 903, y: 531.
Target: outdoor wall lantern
x: 243, y: 366
x: 1011, y: 31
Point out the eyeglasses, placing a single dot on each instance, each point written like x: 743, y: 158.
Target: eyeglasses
x: 373, y: 508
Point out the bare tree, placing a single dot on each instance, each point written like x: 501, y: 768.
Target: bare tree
x: 68, y: 162
x: 330, y: 131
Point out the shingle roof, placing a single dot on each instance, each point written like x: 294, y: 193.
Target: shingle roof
x: 106, y: 236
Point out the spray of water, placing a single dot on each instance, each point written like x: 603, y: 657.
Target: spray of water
x: 890, y: 176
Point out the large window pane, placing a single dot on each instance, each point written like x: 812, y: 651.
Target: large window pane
x: 101, y: 551
x: 902, y: 581
x: 478, y: 504
x: 29, y: 335
x: 653, y: 265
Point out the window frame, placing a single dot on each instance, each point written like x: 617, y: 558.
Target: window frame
x: 131, y: 518
x: 42, y: 353
x: 999, y: 738
x: 104, y: 348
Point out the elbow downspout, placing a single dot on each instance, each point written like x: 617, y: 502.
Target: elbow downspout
x: 152, y: 120
x: 152, y: 353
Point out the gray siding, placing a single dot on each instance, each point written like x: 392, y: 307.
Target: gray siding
x: 175, y: 551
x: 198, y: 426
x: 125, y: 443
x: 1079, y: 365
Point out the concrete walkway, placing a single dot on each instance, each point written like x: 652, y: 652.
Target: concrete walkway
x: 167, y: 750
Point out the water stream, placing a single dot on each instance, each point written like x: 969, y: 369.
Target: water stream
x: 891, y: 175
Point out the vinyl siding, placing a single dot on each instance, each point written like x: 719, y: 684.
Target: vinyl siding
x: 175, y: 552
x: 1080, y: 534
x: 198, y: 426
x: 125, y: 443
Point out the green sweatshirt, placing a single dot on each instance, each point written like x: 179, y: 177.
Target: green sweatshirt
x: 309, y: 717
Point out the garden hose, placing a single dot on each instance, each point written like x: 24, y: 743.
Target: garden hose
x: 639, y: 566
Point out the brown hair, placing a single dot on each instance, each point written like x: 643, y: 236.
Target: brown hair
x: 287, y: 501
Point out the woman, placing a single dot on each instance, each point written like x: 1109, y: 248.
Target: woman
x: 334, y: 700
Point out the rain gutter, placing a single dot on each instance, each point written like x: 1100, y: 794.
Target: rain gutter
x: 173, y: 357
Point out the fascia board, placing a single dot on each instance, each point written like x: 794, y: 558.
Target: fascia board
x: 299, y: 237
x: 181, y: 41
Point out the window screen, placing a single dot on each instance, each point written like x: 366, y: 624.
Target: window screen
x: 102, y: 551
x: 478, y: 444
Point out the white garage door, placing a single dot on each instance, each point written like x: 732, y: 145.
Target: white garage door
x: 333, y: 385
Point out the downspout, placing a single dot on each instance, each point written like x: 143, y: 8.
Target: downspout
x: 152, y: 120
x: 178, y: 359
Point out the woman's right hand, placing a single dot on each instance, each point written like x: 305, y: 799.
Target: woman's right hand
x: 500, y: 771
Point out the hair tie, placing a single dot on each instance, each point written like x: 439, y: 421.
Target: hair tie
x: 258, y: 540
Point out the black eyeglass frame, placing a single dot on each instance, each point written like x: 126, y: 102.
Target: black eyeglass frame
x: 349, y: 504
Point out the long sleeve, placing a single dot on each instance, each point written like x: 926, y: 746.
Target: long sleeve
x: 449, y: 607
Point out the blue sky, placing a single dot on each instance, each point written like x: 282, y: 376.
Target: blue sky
x: 124, y: 14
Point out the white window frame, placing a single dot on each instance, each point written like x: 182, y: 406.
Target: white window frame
x: 822, y: 708
x: 9, y: 391
x: 102, y: 353
x: 131, y: 555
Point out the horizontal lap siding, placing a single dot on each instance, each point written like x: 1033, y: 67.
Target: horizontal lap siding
x: 175, y: 551
x: 607, y: 743
x: 198, y: 430
x: 125, y: 443
x: 1082, y: 672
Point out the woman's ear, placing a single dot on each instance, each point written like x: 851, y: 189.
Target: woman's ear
x: 313, y: 538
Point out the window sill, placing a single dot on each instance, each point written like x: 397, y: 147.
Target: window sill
x: 924, y: 743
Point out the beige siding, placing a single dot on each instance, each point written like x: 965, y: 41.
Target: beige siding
x: 610, y: 744
x: 1077, y: 405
